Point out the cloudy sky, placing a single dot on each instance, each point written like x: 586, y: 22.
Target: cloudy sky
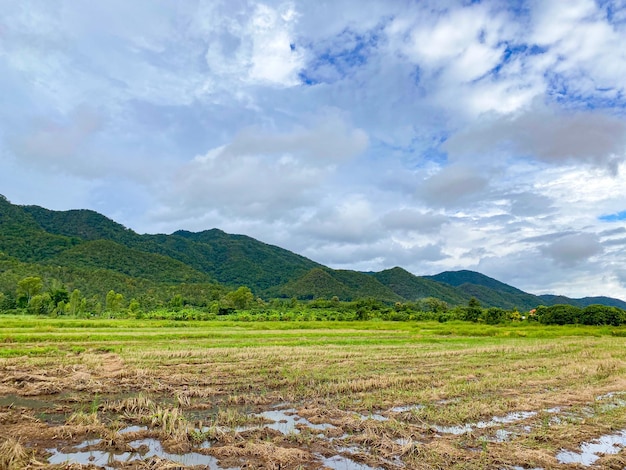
x: 435, y: 135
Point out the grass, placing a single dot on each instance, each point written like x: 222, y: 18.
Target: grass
x: 167, y: 374
x: 13, y: 456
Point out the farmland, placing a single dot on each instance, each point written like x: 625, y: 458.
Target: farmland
x: 102, y: 393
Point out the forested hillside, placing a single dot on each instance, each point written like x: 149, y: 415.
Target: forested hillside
x: 82, y: 250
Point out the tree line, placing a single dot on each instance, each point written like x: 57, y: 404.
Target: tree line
x: 32, y: 295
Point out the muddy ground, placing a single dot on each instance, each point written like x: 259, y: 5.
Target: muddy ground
x: 99, y: 409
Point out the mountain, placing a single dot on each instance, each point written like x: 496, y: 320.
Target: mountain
x: 411, y: 287
x: 234, y: 260
x: 88, y: 251
x: 582, y: 302
x: 491, y: 292
x: 239, y: 260
x: 325, y: 283
x: 458, y: 278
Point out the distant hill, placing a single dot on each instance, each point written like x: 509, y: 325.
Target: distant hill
x: 411, y: 287
x: 582, y: 302
x: 491, y: 292
x: 234, y: 260
x: 239, y: 260
x: 87, y: 250
x: 325, y: 283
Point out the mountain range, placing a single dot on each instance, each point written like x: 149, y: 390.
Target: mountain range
x: 86, y: 250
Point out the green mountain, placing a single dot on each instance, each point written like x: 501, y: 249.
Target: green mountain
x: 234, y: 260
x: 411, y: 287
x: 90, y: 252
x: 582, y: 302
x: 105, y: 254
x: 239, y: 260
x: 325, y: 283
x: 318, y: 283
x: 491, y: 292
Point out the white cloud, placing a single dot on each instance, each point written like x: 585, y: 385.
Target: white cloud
x: 262, y: 174
x: 258, y: 48
x: 449, y: 134
x: 548, y: 135
x: 453, y: 185
x: 408, y: 219
x: 573, y: 249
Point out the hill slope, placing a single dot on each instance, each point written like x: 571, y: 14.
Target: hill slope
x: 411, y: 287
x: 79, y: 243
x: 234, y: 260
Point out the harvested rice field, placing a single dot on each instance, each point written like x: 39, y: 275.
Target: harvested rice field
x: 132, y: 394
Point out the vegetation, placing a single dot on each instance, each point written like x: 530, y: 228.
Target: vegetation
x: 81, y: 250
x: 422, y: 395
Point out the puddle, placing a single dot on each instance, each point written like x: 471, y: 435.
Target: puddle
x: 89, y: 443
x: 606, y: 396
x: 404, y: 409
x: 502, y: 435
x: 611, y: 401
x: 607, y: 444
x: 375, y: 417
x: 337, y: 462
x: 496, y: 420
x: 513, y: 417
x: 144, y: 448
x: 16, y: 401
x: 130, y: 429
x: 152, y: 448
x: 285, y: 421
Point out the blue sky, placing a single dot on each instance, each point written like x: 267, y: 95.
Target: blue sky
x: 434, y: 135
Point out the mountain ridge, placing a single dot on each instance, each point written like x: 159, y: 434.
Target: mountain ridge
x: 85, y: 240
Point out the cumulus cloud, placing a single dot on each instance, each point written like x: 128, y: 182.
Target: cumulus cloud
x: 460, y: 134
x: 527, y: 204
x: 412, y: 220
x: 547, y: 135
x: 59, y: 143
x: 573, y: 249
x: 378, y: 255
x: 351, y: 220
x: 257, y: 48
x: 263, y: 174
x: 451, y: 186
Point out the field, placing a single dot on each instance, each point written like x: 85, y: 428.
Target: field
x: 308, y: 395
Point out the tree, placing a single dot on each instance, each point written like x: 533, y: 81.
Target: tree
x: 241, y: 298
x: 473, y: 311
x: 176, y: 302
x: 75, y: 303
x: 495, y: 315
x: 113, y: 301
x: 560, y: 314
x: 602, y: 315
x: 29, y: 287
x: 38, y: 304
x: 58, y: 292
x: 134, y: 307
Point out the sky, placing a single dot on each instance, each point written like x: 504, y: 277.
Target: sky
x: 432, y: 135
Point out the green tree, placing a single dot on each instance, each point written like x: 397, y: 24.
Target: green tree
x: 58, y: 292
x: 560, y: 314
x: 241, y: 299
x: 29, y: 287
x: 114, y: 302
x: 496, y: 315
x: 602, y: 315
x: 75, y: 303
x: 176, y: 303
x: 473, y: 311
x: 39, y: 304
